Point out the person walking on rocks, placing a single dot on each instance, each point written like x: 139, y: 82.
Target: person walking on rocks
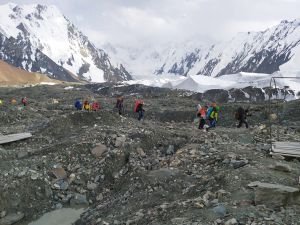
x: 202, y: 115
x: 139, y: 104
x: 24, y: 101
x: 86, y: 105
x: 213, y: 114
x: 95, y: 106
x: 13, y: 101
x: 78, y: 105
x: 120, y: 105
x: 241, y: 116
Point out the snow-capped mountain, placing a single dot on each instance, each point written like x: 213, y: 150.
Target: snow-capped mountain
x: 40, y: 38
x: 274, y: 49
x: 143, y: 61
x: 277, y: 48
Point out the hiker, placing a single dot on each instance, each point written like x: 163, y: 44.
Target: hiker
x: 86, y: 105
x: 138, y: 107
x: 212, y: 114
x: 24, y: 101
x: 13, y: 101
x: 241, y: 115
x: 95, y: 106
x: 202, y: 115
x: 120, y: 105
x: 78, y: 105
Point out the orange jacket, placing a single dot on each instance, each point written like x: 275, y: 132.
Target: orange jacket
x: 202, y: 112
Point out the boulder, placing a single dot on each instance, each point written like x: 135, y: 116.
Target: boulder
x: 59, y: 173
x: 79, y: 200
x: 273, y: 195
x: 99, y: 150
x: 92, y: 186
x: 61, y: 184
x: 220, y: 210
x: 120, y: 141
x: 232, y: 221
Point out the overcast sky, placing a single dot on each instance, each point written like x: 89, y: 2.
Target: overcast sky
x: 130, y: 22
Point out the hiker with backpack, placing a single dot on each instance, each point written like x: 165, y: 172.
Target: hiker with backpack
x: 138, y: 108
x: 119, y: 105
x: 95, y: 106
x: 202, y: 111
x: 86, y: 105
x: 24, y: 101
x: 78, y: 104
x: 13, y: 101
x: 213, y: 114
x: 241, y: 115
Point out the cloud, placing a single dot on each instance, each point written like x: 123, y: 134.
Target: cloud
x: 134, y: 22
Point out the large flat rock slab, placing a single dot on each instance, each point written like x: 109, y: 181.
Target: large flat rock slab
x: 274, y: 195
x: 14, y: 137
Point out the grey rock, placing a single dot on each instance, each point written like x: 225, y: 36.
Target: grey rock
x: 61, y: 184
x: 97, y: 178
x: 22, y: 173
x: 99, y: 197
x: 79, y: 200
x: 238, y: 163
x: 281, y: 167
x: 220, y: 210
x: 170, y: 150
x: 3, y: 214
x: 48, y: 191
x: 92, y: 186
x: 232, y: 221
x: 141, y: 152
x: 11, y: 218
x: 120, y: 141
x: 22, y: 154
x: 226, y: 161
x: 34, y: 176
x: 59, y: 173
x: 58, y: 206
x: 99, y: 150
x: 274, y: 195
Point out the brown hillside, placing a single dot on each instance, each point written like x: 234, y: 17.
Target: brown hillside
x: 10, y: 75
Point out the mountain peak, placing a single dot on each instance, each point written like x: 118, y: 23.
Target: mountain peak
x: 46, y: 33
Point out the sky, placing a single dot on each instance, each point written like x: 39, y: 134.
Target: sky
x: 134, y: 22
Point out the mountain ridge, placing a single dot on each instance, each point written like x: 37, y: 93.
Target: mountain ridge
x: 274, y: 49
x: 39, y: 38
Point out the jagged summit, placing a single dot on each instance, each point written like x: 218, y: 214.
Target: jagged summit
x: 39, y: 38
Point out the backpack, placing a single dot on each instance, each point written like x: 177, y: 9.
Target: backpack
x: 202, y: 112
x: 95, y: 106
x: 240, y: 113
x: 209, y: 112
x: 137, y: 103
